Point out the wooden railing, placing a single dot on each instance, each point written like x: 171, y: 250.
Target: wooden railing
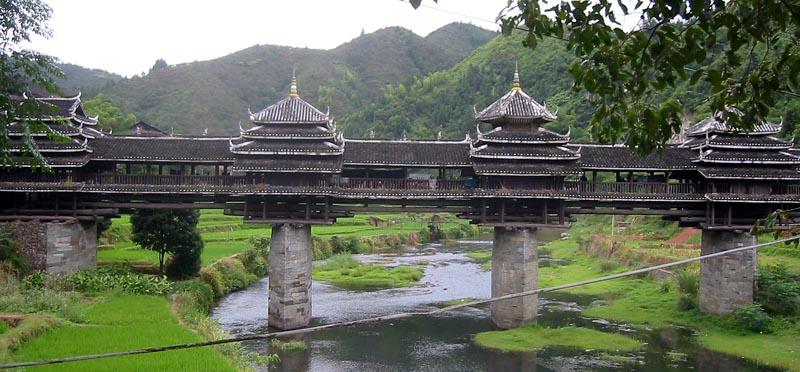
x: 582, y: 187
x: 399, y: 184
x: 633, y: 187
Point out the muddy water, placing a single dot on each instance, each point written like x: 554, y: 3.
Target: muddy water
x: 444, y: 343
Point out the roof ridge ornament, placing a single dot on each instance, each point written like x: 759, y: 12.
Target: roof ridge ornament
x: 516, y: 85
x: 293, y: 88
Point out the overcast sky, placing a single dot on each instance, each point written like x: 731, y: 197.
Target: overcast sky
x: 127, y: 36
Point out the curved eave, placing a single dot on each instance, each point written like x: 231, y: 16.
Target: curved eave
x: 286, y: 153
x: 408, y: 165
x: 748, y: 161
x: 265, y: 122
x: 739, y: 147
x: 514, y: 119
x: 500, y: 173
x: 276, y: 137
x: 522, y: 142
x: 524, y: 157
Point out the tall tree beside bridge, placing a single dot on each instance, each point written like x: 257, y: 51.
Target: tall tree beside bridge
x: 20, y: 71
x: 171, y: 232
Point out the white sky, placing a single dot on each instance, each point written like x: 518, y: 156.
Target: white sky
x: 127, y: 36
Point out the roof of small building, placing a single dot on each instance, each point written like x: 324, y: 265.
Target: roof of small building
x: 406, y: 153
x: 516, y: 106
x: 528, y: 152
x: 146, y: 130
x: 717, y: 124
x: 285, y: 147
x: 541, y: 136
x: 162, y: 149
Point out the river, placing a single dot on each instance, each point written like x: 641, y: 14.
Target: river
x: 444, y: 343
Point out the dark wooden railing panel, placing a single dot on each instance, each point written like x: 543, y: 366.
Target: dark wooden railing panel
x: 633, y: 187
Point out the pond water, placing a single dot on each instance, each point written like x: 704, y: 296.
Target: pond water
x: 444, y: 343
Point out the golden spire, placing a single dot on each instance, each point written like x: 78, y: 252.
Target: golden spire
x: 293, y: 89
x: 516, y: 85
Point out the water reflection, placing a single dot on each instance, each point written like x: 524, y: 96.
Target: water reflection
x: 444, y: 343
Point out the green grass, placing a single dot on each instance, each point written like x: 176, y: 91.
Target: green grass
x: 346, y: 272
x: 482, y: 257
x: 123, y: 322
x: 3, y: 327
x: 287, y: 346
x: 535, y: 337
x: 227, y: 235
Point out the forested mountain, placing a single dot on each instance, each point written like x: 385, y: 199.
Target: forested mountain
x: 216, y: 94
x: 420, y: 107
x: 86, y: 80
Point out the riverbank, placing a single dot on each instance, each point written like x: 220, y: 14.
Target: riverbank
x: 644, y: 303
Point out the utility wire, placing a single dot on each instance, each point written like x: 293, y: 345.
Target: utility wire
x: 269, y: 335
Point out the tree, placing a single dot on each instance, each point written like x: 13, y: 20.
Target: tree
x: 624, y: 70
x: 171, y: 232
x: 112, y: 118
x: 20, y: 71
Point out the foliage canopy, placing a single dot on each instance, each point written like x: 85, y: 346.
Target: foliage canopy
x: 169, y: 232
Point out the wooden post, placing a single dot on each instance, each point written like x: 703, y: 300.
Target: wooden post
x: 192, y: 170
x: 308, y: 208
x: 729, y: 216
x: 561, y: 213
x: 183, y: 169
x: 127, y: 168
x: 264, y: 210
x: 544, y: 212
x: 326, y: 212
x: 502, y: 211
x: 161, y: 169
x: 244, y: 213
x: 483, y: 210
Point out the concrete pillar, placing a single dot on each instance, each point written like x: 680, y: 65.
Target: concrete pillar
x: 726, y: 282
x: 514, y: 269
x: 71, y: 246
x: 290, y: 276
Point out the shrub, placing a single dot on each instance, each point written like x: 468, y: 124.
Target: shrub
x: 287, y: 346
x: 214, y: 279
x: 195, y: 293
x: 753, y: 318
x: 608, y: 265
x: 254, y: 261
x: 545, y: 251
x: 339, y: 261
x: 687, y: 282
x: 9, y: 252
x: 778, y: 291
x: 186, y: 263
x: 88, y: 281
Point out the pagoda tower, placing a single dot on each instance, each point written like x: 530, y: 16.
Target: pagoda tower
x: 518, y: 148
x: 290, y: 143
x: 63, y: 116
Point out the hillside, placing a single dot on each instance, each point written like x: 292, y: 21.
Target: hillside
x: 420, y: 107
x: 86, y: 80
x: 216, y: 94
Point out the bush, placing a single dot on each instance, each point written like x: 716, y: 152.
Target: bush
x: 185, y: 263
x: 778, y: 291
x: 197, y: 293
x: 9, y: 252
x: 254, y: 261
x: 214, y: 279
x: 687, y: 282
x: 753, y: 318
x: 608, y: 265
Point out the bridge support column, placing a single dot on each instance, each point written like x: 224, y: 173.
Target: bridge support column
x: 514, y: 269
x: 56, y: 247
x: 290, y: 276
x: 726, y: 282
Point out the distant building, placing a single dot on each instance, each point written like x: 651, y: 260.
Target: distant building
x: 146, y: 130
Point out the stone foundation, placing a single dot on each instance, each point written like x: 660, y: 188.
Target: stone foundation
x: 290, y: 258
x: 726, y: 282
x: 514, y: 269
x: 57, y: 247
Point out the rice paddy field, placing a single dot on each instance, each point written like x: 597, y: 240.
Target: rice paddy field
x: 224, y: 236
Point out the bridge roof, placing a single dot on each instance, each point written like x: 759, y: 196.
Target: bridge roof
x: 752, y: 173
x: 402, y: 153
x: 618, y: 157
x: 289, y: 164
x: 162, y: 149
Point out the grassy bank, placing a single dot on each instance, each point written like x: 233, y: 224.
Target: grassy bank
x: 224, y: 236
x: 346, y: 272
x: 535, y: 337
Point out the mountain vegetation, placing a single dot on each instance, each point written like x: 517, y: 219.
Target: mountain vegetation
x: 87, y: 81
x: 216, y: 94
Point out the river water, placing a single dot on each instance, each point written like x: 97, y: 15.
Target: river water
x: 444, y: 343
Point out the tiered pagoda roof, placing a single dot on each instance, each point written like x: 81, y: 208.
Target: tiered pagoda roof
x: 289, y: 136
x: 65, y: 117
x: 723, y: 152
x: 517, y: 145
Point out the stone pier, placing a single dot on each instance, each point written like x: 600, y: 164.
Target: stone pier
x: 726, y: 282
x: 290, y: 276
x: 514, y: 269
x: 56, y: 247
